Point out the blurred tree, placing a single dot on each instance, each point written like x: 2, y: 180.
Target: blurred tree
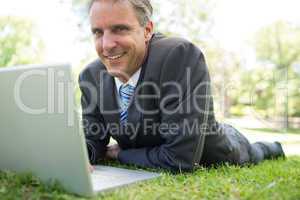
x: 225, y: 69
x: 258, y: 89
x: 18, y: 42
x: 189, y: 19
x: 279, y: 45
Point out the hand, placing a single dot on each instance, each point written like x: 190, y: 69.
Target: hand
x: 112, y: 151
x: 91, y: 168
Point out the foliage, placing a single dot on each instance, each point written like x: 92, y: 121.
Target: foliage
x: 188, y: 19
x: 271, y: 179
x: 225, y: 70
x: 258, y: 90
x: 18, y: 42
x: 279, y: 45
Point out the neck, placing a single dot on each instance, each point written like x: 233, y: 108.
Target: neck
x: 123, y: 80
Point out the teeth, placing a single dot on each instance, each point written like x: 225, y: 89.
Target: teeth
x: 115, y: 57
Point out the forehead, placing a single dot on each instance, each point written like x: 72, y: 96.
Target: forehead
x: 109, y: 12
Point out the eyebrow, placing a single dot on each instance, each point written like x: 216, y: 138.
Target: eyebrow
x: 125, y: 26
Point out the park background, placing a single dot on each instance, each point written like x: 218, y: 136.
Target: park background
x: 252, y: 49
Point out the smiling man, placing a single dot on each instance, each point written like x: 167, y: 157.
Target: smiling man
x: 121, y: 42
x: 152, y: 95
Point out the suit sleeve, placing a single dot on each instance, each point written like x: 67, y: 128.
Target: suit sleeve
x: 92, y: 120
x: 186, y: 113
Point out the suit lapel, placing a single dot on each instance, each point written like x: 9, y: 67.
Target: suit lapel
x: 134, y: 120
x: 108, y: 102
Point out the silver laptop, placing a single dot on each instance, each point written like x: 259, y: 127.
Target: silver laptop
x: 40, y: 132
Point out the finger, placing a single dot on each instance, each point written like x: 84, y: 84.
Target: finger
x: 91, y: 168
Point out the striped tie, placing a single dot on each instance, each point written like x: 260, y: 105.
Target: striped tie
x: 126, y: 92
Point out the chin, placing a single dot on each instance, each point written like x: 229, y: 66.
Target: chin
x: 118, y: 73
x: 114, y: 73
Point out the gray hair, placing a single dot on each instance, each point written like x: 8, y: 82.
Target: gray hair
x: 143, y: 9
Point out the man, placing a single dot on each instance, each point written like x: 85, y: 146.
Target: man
x: 152, y: 95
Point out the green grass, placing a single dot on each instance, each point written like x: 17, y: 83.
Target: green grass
x: 278, y: 179
x: 270, y: 130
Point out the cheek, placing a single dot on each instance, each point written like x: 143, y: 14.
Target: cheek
x: 98, y: 46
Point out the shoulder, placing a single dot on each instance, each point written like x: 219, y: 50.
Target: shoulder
x: 172, y: 57
x: 165, y: 44
x: 91, y: 70
x: 164, y: 48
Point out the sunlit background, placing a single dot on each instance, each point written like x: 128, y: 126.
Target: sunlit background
x: 252, y: 48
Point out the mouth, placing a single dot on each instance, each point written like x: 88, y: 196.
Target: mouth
x: 115, y: 57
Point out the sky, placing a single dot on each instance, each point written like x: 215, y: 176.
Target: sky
x: 235, y: 22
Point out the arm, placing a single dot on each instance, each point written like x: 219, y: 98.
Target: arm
x: 93, y: 123
x: 192, y: 113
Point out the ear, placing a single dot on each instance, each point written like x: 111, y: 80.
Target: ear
x: 148, y: 30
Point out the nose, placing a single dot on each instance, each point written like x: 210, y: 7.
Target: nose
x: 108, y: 42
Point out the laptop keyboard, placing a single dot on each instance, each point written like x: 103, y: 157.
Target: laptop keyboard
x: 100, y: 176
x: 110, y: 177
x: 101, y: 179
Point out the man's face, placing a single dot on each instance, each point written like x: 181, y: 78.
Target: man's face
x: 120, y: 40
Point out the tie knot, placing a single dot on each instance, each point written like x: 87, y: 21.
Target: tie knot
x: 127, y: 88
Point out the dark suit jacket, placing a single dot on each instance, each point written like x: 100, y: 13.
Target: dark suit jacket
x: 167, y: 128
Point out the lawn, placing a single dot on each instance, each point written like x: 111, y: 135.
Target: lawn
x: 278, y: 179
x: 270, y: 130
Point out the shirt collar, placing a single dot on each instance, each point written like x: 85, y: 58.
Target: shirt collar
x: 132, y: 81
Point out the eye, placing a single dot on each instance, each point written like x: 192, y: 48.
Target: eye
x: 120, y: 29
x: 97, y: 33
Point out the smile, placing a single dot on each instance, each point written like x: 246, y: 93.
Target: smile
x: 115, y: 57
